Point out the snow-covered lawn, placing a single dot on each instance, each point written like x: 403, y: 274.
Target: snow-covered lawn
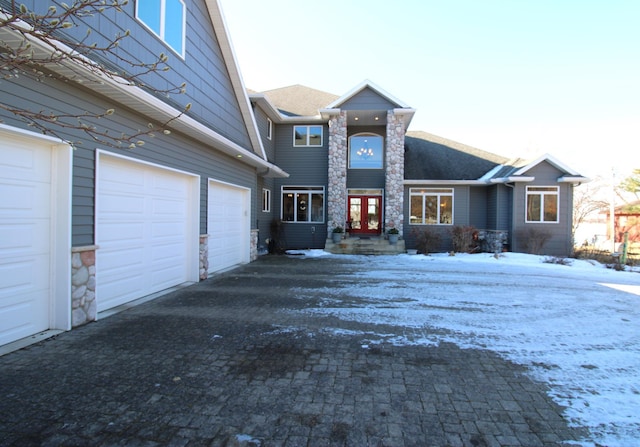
x: 576, y: 327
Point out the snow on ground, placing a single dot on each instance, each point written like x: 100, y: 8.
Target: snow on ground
x: 576, y: 327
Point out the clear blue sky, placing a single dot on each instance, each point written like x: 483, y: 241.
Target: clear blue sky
x: 511, y: 77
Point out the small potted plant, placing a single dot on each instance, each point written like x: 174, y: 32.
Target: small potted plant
x: 336, y: 234
x: 393, y: 234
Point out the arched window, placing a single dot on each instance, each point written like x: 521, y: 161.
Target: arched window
x: 366, y: 151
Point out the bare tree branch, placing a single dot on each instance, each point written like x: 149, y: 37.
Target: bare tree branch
x: 18, y: 57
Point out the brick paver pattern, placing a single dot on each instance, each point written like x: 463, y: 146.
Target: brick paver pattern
x: 231, y: 361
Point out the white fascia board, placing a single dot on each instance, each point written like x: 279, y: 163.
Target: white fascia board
x: 231, y: 63
x: 445, y: 182
x: 512, y: 179
x: 146, y: 104
x: 573, y: 179
x: 550, y: 159
x: 358, y: 88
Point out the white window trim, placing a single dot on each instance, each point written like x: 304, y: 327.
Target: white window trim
x: 269, y: 129
x: 528, y: 193
x: 266, y: 200
x: 308, y: 135
x: 303, y: 189
x: 179, y: 52
x: 423, y: 195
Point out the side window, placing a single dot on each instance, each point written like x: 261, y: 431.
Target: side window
x: 431, y: 206
x: 542, y: 204
x: 307, y: 135
x: 266, y: 200
x: 166, y: 18
x: 269, y: 128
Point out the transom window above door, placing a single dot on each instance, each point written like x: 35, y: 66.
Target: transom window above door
x: 365, y: 152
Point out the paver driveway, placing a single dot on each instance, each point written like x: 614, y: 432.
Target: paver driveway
x: 231, y: 361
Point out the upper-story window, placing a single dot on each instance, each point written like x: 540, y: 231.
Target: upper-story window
x: 365, y: 152
x: 307, y: 135
x: 542, y: 204
x: 269, y: 128
x: 166, y: 18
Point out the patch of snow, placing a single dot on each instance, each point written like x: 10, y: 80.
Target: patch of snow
x: 576, y: 326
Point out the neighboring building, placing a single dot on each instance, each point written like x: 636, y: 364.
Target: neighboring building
x: 352, y: 163
x: 86, y: 229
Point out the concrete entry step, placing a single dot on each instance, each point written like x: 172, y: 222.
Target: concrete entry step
x: 365, y: 246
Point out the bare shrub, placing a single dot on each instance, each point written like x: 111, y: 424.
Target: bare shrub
x: 534, y: 239
x: 427, y: 240
x: 464, y: 238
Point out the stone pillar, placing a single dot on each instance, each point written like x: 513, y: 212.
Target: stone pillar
x: 83, y: 285
x: 204, y: 256
x: 394, y: 181
x: 253, y: 253
x: 337, y: 190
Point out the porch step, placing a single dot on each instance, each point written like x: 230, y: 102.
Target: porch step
x: 368, y: 246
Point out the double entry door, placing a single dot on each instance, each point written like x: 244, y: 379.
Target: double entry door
x: 365, y: 214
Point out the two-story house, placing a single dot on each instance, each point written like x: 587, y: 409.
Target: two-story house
x: 86, y: 228
x: 353, y: 164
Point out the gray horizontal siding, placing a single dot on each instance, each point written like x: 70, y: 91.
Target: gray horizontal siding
x: 209, y: 88
x: 560, y: 242
x: 367, y: 99
x: 175, y: 150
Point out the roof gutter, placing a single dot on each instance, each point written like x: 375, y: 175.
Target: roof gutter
x: 144, y: 103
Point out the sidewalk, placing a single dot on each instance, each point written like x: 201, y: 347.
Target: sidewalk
x: 229, y: 361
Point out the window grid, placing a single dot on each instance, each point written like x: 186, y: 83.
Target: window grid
x: 307, y: 136
x: 302, y: 204
x: 542, y: 204
x: 166, y: 19
x: 431, y: 206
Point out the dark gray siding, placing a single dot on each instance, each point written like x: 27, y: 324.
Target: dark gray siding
x: 461, y: 216
x: 367, y: 99
x: 560, y: 242
x: 308, y: 167
x: 478, y: 207
x: 176, y: 151
x: 209, y: 88
x: 263, y: 126
x: 499, y: 207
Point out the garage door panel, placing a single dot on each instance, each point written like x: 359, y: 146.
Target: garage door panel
x: 23, y: 161
x: 118, y: 205
x: 143, y: 228
x: 35, y: 209
x: 24, y: 238
x: 17, y: 277
x: 121, y: 233
x: 228, y: 226
x: 24, y: 201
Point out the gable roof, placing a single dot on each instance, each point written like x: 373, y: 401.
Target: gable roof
x: 362, y: 86
x: 299, y: 100
x: 517, y: 170
x: 430, y: 157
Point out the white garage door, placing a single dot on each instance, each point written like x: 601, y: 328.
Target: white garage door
x: 28, y: 211
x: 228, y: 225
x: 146, y: 230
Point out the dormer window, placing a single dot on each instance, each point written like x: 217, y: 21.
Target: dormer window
x: 166, y: 18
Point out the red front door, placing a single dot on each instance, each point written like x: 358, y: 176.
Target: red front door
x: 364, y: 214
